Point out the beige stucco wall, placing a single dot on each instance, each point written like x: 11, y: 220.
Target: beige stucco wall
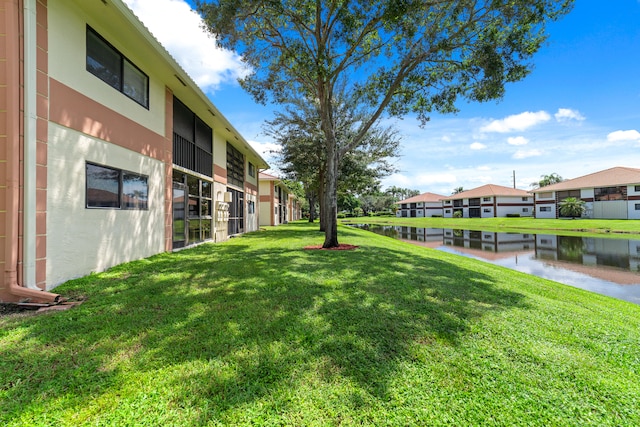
x: 81, y: 240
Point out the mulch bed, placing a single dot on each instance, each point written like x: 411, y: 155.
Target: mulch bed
x: 340, y: 247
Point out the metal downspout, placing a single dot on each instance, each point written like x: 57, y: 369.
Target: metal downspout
x: 13, y: 166
x: 30, y: 145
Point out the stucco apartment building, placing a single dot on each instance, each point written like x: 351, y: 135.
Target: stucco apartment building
x: 609, y: 194
x: 422, y: 205
x: 278, y: 205
x: 110, y: 152
x: 489, y: 201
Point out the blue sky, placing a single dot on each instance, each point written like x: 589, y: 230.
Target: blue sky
x: 578, y: 112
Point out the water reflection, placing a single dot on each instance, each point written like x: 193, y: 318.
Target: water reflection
x: 607, y: 266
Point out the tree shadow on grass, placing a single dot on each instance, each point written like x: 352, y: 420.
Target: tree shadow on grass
x: 244, y: 321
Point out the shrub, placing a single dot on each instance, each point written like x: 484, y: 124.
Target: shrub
x: 513, y: 215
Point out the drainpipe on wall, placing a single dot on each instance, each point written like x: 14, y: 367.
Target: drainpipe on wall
x: 30, y: 145
x: 13, y: 167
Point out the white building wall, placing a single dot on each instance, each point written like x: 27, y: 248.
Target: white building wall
x: 633, y: 205
x: 433, y: 208
x: 81, y: 240
x: 515, y: 205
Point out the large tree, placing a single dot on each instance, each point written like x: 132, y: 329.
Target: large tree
x: 297, y: 129
x: 397, y: 56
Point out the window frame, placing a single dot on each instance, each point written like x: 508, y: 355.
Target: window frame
x: 124, y: 62
x: 121, y: 188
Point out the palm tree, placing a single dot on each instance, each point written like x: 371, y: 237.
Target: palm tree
x: 457, y: 190
x: 545, y: 180
x: 572, y: 207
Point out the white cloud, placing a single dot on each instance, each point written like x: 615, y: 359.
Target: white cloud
x: 523, y: 154
x: 483, y: 168
x: 517, y: 122
x: 517, y: 140
x: 566, y: 114
x: 266, y: 149
x: 193, y: 48
x: 624, y: 135
x: 477, y: 146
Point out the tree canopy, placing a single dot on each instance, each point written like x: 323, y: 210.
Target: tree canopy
x: 302, y: 157
x: 396, y: 57
x: 552, y: 178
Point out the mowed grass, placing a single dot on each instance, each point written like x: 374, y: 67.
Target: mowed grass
x: 258, y: 331
x: 612, y: 227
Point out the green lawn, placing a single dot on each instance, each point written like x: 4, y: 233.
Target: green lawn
x: 614, y: 227
x: 258, y: 331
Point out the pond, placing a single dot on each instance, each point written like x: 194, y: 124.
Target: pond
x: 603, y: 265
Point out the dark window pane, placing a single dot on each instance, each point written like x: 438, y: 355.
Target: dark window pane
x: 135, y: 191
x: 194, y: 185
x: 136, y: 84
x: 194, y: 231
x: 204, y: 136
x: 206, y: 229
x: 205, y: 207
x: 206, y: 189
x: 103, y: 61
x: 194, y: 207
x: 183, y: 120
x: 178, y: 177
x: 103, y: 187
x: 235, y: 166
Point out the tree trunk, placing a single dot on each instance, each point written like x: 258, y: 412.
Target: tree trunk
x: 330, y: 196
x: 312, y: 206
x: 321, y: 198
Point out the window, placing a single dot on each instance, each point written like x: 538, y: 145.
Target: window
x: 636, y: 188
x: 525, y: 199
x: 251, y: 207
x: 114, y: 188
x: 252, y: 170
x: 525, y: 209
x: 638, y: 206
x: 545, y: 195
x: 192, y: 140
x: 235, y: 166
x: 199, y: 208
x: 105, y: 62
x: 545, y: 208
x: 609, y: 193
x: 561, y: 195
x: 486, y: 199
x: 487, y: 210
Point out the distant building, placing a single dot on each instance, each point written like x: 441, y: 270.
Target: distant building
x: 609, y: 194
x: 278, y: 205
x: 489, y: 201
x: 423, y: 205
